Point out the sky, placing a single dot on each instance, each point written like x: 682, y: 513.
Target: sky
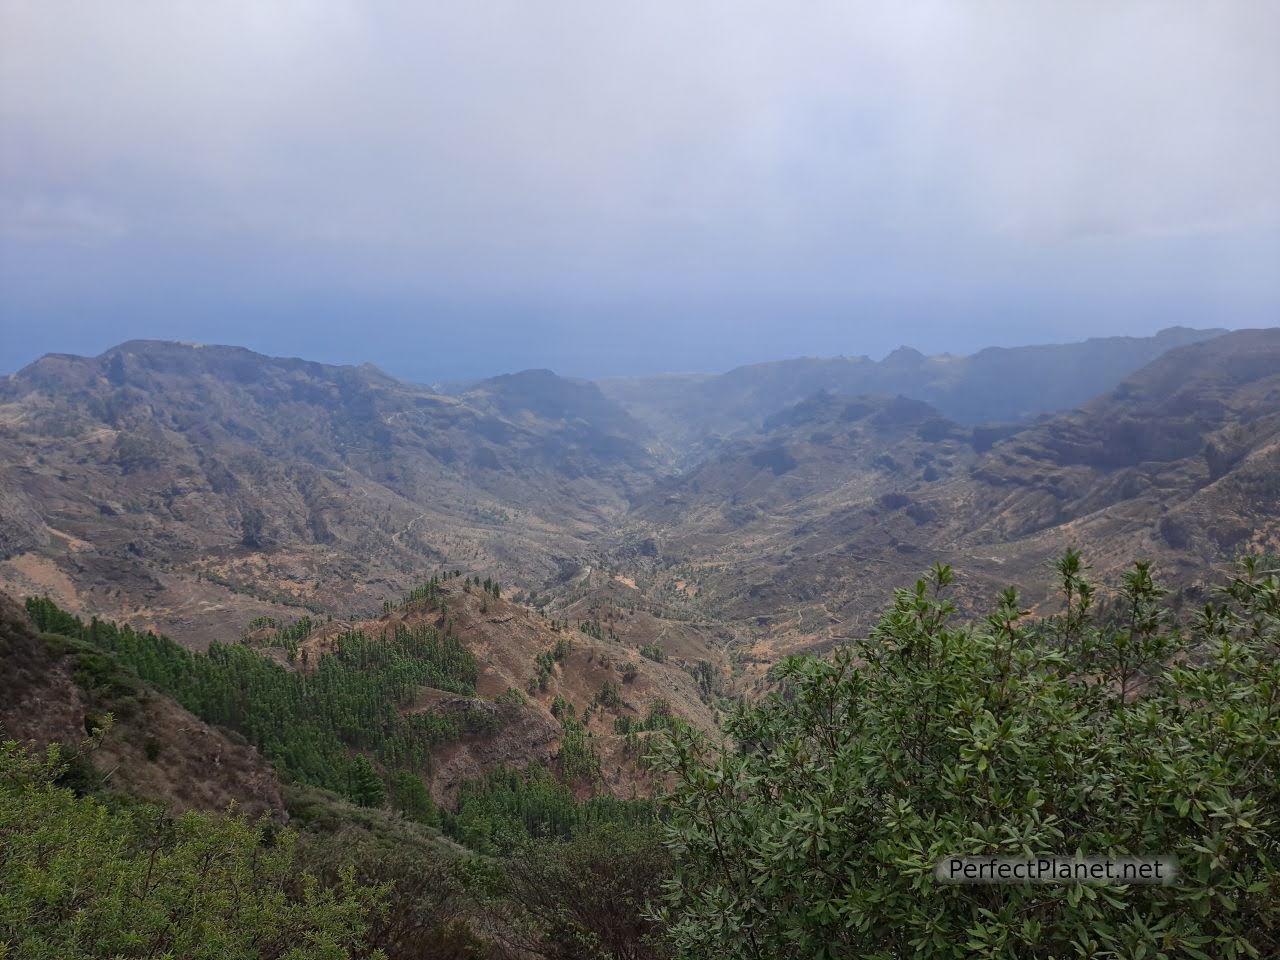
x: 609, y: 187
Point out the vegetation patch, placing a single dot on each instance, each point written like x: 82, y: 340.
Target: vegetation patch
x: 1106, y: 730
x: 314, y: 724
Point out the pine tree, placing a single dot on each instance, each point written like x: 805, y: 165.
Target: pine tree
x: 409, y: 795
x: 366, y: 786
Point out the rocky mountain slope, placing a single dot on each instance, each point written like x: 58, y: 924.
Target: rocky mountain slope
x: 193, y: 489
x: 996, y: 385
x: 534, y: 673
x: 786, y: 533
x: 189, y: 488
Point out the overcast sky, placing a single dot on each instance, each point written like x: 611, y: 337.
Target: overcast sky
x: 459, y: 189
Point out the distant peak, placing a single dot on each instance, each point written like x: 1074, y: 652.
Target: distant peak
x: 905, y: 356
x: 141, y: 345
x: 1192, y: 333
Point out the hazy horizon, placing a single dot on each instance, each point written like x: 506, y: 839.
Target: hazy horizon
x: 454, y: 192
x: 357, y: 361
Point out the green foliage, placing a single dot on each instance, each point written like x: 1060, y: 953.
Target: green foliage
x: 652, y: 651
x: 285, y: 635
x: 578, y: 757
x: 409, y: 795
x: 79, y: 881
x: 584, y: 898
x: 108, y: 683
x: 813, y: 832
x: 566, y: 881
x: 511, y: 696
x: 308, y: 722
x: 506, y: 807
x: 659, y: 718
x: 75, y: 770
x: 546, y: 661
x: 609, y: 697
x: 364, y: 786
x: 705, y: 676
x: 427, y: 885
x: 428, y: 593
x: 48, y: 616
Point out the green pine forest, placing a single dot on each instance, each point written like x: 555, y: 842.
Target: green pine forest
x: 307, y: 722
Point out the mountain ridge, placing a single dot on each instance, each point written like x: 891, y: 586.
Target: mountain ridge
x: 1177, y: 463
x: 191, y: 489
x: 996, y: 384
x: 173, y: 468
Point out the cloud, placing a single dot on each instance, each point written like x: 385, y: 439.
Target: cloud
x: 67, y: 217
x: 683, y: 152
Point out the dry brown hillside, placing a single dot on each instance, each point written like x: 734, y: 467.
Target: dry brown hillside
x: 191, y: 488
x: 506, y: 639
x: 55, y: 691
x: 796, y: 535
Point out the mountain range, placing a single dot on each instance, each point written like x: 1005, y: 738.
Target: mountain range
x: 687, y: 530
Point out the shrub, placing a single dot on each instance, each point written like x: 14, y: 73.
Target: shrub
x: 501, y: 810
x: 893, y: 501
x: 364, y: 786
x: 251, y: 524
x: 511, y: 696
x: 82, y: 880
x: 609, y: 697
x: 584, y: 898
x: 425, y: 889
x: 578, y: 758
x: 813, y: 832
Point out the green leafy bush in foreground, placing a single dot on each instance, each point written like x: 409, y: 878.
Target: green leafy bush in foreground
x: 813, y: 832
x: 80, y: 880
x: 583, y: 898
